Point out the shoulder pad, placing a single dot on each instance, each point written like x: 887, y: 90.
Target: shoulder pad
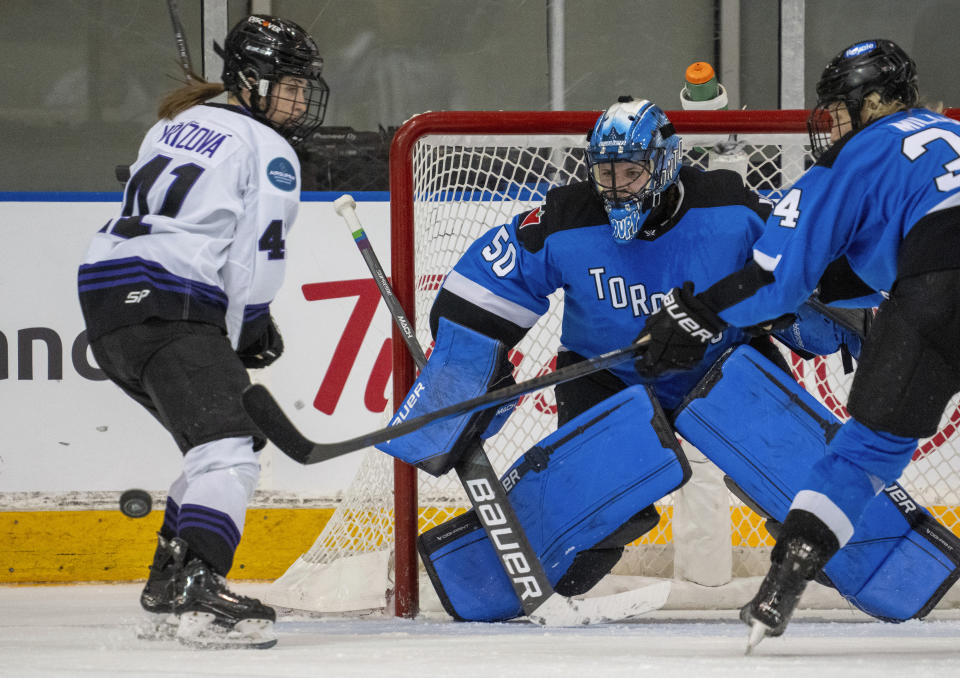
x: 718, y: 188
x: 572, y: 206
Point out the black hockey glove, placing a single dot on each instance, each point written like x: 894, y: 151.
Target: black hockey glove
x: 677, y: 336
x: 263, y: 350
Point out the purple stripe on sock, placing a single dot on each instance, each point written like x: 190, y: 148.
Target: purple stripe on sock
x: 206, y: 518
x: 171, y: 516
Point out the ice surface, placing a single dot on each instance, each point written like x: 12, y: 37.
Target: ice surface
x: 89, y: 630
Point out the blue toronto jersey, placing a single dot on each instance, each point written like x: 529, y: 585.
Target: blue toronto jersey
x: 859, y: 201
x: 610, y: 288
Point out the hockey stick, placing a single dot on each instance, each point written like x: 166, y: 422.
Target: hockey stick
x: 539, y: 601
x: 346, y: 207
x: 183, y: 52
x: 269, y: 416
x: 519, y: 560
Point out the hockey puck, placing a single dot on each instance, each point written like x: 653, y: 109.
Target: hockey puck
x: 135, y: 503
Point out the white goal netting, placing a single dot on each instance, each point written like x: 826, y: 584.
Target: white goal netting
x: 465, y: 183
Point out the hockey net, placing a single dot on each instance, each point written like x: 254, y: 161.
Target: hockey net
x: 454, y: 175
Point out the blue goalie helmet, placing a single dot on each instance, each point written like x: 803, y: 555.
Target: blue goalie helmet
x: 634, y: 155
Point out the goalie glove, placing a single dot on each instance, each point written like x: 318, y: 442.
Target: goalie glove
x: 816, y: 333
x: 677, y: 336
x: 264, y: 349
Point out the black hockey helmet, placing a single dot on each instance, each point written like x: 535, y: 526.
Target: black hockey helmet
x: 862, y: 68
x: 257, y: 54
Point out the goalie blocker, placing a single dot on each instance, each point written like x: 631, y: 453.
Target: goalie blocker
x: 464, y: 364
x: 900, y: 561
x: 580, y: 495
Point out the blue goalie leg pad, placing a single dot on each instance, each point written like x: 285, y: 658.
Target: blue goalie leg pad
x: 573, y: 490
x: 765, y: 432
x: 464, y: 364
x: 896, y: 579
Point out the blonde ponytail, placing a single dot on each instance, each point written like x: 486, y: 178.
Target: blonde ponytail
x: 194, y: 91
x: 875, y: 106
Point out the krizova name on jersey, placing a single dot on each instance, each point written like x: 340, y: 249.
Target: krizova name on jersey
x: 190, y: 136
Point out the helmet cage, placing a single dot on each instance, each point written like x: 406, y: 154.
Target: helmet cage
x: 615, y: 186
x: 861, y: 69
x: 279, y: 67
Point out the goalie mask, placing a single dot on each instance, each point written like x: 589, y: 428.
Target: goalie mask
x: 273, y: 67
x: 634, y: 155
x: 863, y: 68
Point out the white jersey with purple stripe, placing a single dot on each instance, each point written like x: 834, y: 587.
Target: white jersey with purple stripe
x: 202, y: 230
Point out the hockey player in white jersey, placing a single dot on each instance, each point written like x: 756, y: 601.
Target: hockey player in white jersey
x: 884, y: 193
x: 176, y: 293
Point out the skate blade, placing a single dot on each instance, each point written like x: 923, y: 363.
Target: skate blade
x: 758, y: 631
x: 199, y: 630
x: 158, y: 627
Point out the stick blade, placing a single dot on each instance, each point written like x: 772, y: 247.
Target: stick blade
x: 560, y: 611
x: 270, y: 418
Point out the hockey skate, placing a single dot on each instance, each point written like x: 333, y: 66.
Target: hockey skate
x: 160, y: 590
x: 212, y: 616
x: 770, y: 610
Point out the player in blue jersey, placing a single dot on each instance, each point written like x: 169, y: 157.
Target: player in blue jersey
x: 616, y: 244
x: 176, y: 295
x: 884, y: 194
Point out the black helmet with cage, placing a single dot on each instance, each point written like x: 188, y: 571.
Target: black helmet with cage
x: 272, y: 65
x: 865, y: 67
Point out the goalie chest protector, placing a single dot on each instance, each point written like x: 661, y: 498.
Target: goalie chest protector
x: 765, y: 432
x: 572, y: 490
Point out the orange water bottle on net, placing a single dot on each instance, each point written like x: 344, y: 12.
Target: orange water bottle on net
x: 701, y: 90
